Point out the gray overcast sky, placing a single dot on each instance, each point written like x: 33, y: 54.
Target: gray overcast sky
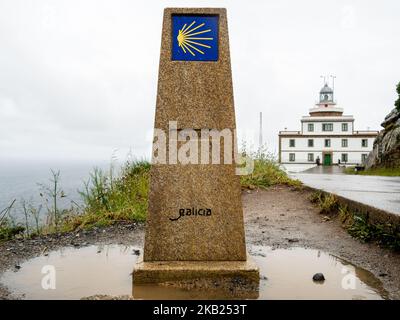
x: 78, y: 78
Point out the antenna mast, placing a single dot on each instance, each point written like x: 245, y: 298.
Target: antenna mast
x: 260, y: 137
x: 333, y: 85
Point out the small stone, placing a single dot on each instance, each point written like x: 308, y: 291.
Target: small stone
x: 17, y: 267
x: 292, y: 240
x: 263, y: 277
x: 318, y: 277
x: 136, y: 252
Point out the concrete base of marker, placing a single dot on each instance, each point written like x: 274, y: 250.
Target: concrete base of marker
x: 240, y: 277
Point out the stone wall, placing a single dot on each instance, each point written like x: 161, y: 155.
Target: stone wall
x: 386, y: 151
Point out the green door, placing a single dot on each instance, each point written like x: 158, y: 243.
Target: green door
x: 327, y: 159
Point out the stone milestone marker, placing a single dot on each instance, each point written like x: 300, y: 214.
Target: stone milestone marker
x: 195, y: 226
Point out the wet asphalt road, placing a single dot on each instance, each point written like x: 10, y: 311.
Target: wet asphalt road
x: 379, y: 192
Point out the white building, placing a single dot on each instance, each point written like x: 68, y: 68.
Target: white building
x: 326, y: 136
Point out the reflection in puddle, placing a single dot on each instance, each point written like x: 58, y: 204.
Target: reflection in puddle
x: 289, y: 275
x: 79, y: 273
x: 106, y: 270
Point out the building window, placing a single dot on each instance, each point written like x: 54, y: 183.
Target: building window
x: 345, y: 127
x: 292, y: 143
x: 311, y: 143
x: 327, y: 127
x: 345, y: 143
x: 364, y: 142
x: 344, y: 157
x: 311, y: 127
x: 311, y: 157
x: 292, y: 157
x: 328, y: 143
x: 364, y: 157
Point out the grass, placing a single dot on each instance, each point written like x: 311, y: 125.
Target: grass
x: 8, y: 228
x: 327, y: 203
x: 110, y: 198
x: 266, y: 172
x: 387, y: 172
x: 357, y: 224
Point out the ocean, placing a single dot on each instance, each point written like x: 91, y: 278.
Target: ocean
x: 21, y: 181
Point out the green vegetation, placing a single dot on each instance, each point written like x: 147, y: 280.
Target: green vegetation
x: 8, y: 229
x: 266, y: 172
x: 397, y: 102
x: 389, y: 172
x: 357, y: 224
x: 327, y: 203
x: 108, y: 199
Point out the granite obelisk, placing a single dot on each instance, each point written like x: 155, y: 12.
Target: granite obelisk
x: 195, y: 225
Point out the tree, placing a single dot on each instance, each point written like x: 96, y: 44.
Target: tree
x: 397, y: 102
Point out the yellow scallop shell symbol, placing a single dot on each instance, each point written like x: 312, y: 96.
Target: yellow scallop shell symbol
x: 186, y: 35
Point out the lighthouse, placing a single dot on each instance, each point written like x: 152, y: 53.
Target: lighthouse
x: 327, y: 137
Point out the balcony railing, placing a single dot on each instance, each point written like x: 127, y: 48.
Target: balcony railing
x: 289, y: 132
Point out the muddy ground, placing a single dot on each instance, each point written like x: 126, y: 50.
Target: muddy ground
x: 278, y: 217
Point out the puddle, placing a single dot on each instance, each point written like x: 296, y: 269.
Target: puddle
x: 80, y: 272
x: 289, y: 275
x: 105, y: 270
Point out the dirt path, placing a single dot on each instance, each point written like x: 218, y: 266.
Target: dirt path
x: 278, y: 217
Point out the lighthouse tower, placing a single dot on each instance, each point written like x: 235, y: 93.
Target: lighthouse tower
x: 326, y: 105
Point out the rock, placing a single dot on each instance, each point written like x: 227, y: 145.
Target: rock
x: 17, y: 267
x: 391, y: 118
x: 386, y: 150
x: 318, y: 277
